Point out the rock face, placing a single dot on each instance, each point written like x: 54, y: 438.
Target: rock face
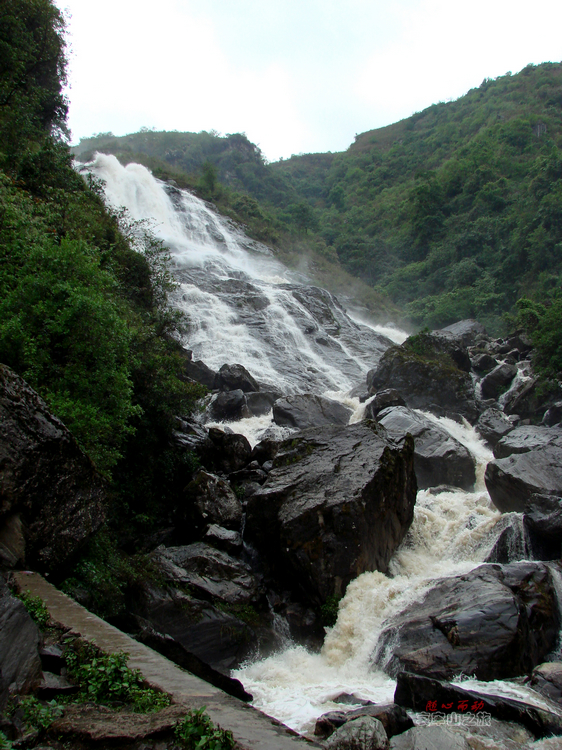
x: 494, y: 622
x: 362, y: 733
x: 307, y: 410
x: 498, y: 380
x: 20, y: 665
x: 527, y: 438
x: 235, y: 377
x: 432, y: 383
x: 45, y: 478
x: 394, y: 719
x: 467, y: 330
x: 337, y: 503
x: 426, y: 737
x: 493, y: 425
x: 211, y: 501
x: 213, y: 573
x: 511, y: 481
x: 547, y: 680
x: 215, y: 636
x: 383, y: 400
x: 438, y: 457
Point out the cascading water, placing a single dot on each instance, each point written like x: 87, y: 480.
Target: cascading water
x: 244, y: 306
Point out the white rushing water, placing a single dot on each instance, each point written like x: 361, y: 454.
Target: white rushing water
x: 243, y: 306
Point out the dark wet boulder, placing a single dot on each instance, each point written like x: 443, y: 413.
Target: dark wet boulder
x: 543, y: 526
x: 428, y: 695
x: 225, y: 539
x: 527, y: 438
x: 211, y: 500
x: 467, y: 330
x: 483, y: 362
x: 229, y: 406
x: 230, y: 451
x: 198, y: 371
x: 45, y: 478
x: 361, y: 733
x: 216, y: 636
x: 494, y: 622
x: 234, y: 378
x: 307, y: 410
x: 211, y: 572
x: 20, y: 664
x: 438, y: 457
x: 427, y: 379
x: 177, y: 653
x: 393, y: 717
x: 512, y: 543
x: 511, y: 481
x: 337, y: 503
x: 497, y: 381
x: 493, y: 425
x: 528, y: 400
x: 261, y: 403
x: 383, y: 400
x: 436, y: 737
x: 447, y: 343
x: 547, y: 680
x: 553, y: 415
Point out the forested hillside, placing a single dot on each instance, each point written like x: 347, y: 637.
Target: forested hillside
x: 83, y: 313
x: 453, y: 212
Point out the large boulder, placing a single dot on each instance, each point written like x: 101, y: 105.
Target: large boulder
x: 337, y: 503
x: 547, y: 680
x: 362, y: 733
x: 235, y: 377
x: 210, y: 500
x: 497, y: 381
x: 229, y: 406
x: 527, y: 438
x: 511, y: 481
x: 393, y: 717
x: 382, y: 400
x: 20, y: 665
x: 467, y: 330
x: 438, y: 457
x: 427, y: 378
x: 307, y: 410
x: 209, y: 571
x: 494, y: 622
x: 425, y: 737
x: 493, y: 425
x: 216, y: 636
x: 198, y: 370
x: 45, y: 478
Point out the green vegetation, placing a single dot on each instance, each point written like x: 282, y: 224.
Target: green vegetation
x: 5, y: 743
x: 39, y: 715
x: 106, y: 679
x: 329, y: 611
x: 83, y: 291
x: 544, y: 323
x: 197, y: 732
x: 36, y: 608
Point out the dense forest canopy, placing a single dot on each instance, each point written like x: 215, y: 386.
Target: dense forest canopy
x: 453, y: 212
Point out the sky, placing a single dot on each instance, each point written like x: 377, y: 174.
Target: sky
x: 297, y: 76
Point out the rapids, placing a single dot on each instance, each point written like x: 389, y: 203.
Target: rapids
x: 244, y: 306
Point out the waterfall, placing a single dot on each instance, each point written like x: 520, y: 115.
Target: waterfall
x: 244, y: 306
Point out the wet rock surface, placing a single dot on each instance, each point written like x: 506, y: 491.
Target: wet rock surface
x: 424, y: 738
x: 307, y: 410
x: 527, y: 438
x: 497, y: 381
x: 45, y: 478
x: 20, y: 665
x: 547, y: 680
x: 494, y: 622
x: 235, y: 377
x: 383, y: 400
x: 211, y: 572
x: 393, y: 717
x: 493, y: 425
x: 513, y: 480
x: 438, y: 457
x: 337, y: 503
x: 432, y: 384
x: 361, y: 733
x: 211, y: 500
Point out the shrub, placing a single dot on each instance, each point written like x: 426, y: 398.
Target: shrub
x: 197, y: 732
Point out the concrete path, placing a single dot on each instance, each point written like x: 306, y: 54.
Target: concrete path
x: 250, y: 727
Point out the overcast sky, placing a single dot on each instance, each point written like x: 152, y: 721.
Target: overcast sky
x: 296, y: 76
